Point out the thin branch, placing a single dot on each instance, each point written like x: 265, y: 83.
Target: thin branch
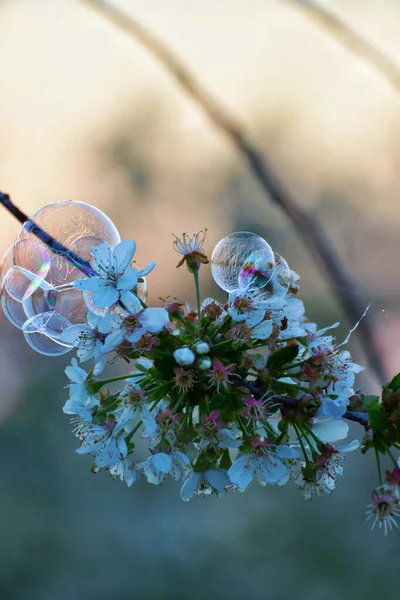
x: 55, y: 246
x: 352, y: 40
x: 305, y: 223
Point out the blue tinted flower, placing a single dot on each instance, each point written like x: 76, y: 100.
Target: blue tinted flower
x: 116, y: 278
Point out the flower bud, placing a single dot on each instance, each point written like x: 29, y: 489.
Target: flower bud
x: 184, y: 356
x: 202, y: 348
x: 204, y: 364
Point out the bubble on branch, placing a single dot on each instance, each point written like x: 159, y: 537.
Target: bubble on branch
x: 233, y: 252
x: 67, y: 222
x: 37, y: 280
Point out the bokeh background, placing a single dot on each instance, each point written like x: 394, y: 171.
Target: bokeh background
x: 88, y: 114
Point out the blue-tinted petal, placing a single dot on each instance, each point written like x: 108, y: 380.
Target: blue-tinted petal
x: 189, y: 486
x: 128, y: 279
x: 123, y: 254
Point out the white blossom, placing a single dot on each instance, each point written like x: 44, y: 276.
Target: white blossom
x: 116, y: 278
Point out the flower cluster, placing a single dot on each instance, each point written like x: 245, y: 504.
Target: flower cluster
x: 234, y: 391
x: 207, y: 387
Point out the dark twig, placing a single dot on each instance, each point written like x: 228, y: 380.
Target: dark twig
x: 352, y: 40
x: 80, y: 263
x: 306, y: 224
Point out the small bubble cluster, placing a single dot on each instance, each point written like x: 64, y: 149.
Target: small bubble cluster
x: 244, y: 260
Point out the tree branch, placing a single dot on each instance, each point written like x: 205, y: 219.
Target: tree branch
x: 306, y: 224
x: 55, y: 246
x: 352, y: 40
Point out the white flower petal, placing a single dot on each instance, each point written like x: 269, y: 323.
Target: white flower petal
x: 113, y: 340
x: 103, y: 258
x: 107, y: 295
x: 131, y: 302
x: 128, y: 279
x: 147, y: 269
x: 330, y: 430
x: 154, y: 319
x: 123, y: 255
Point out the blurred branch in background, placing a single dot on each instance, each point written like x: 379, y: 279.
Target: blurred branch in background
x: 351, y: 39
x: 305, y: 223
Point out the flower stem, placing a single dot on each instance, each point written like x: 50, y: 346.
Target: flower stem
x: 102, y: 382
x: 389, y: 453
x: 299, y: 437
x: 378, y: 462
x: 197, y: 285
x: 134, y: 430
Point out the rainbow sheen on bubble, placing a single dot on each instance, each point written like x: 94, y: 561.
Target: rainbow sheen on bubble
x: 280, y: 281
x: 37, y: 284
x: 232, y: 253
x: 257, y: 271
x: 21, y: 284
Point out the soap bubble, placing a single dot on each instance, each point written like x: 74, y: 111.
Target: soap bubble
x: 21, y: 284
x: 63, y: 271
x: 37, y: 284
x: 279, y: 283
x: 33, y: 256
x: 45, y: 345
x: 12, y: 309
x: 141, y: 289
x: 232, y: 252
x: 257, y: 271
x: 6, y: 264
x: 67, y: 222
x: 49, y: 323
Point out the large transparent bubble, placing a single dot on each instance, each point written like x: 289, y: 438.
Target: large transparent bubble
x: 67, y: 222
x: 37, y: 291
x: 232, y: 253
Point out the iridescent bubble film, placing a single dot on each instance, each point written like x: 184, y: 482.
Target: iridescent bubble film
x: 232, y: 253
x: 31, y: 255
x: 50, y: 323
x: 12, y: 309
x: 256, y: 271
x: 21, y: 284
x: 279, y: 283
x: 6, y: 264
x: 67, y: 222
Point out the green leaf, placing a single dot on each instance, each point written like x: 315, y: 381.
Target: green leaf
x: 393, y: 385
x: 377, y: 414
x: 282, y: 357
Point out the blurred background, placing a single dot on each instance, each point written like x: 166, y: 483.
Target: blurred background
x: 87, y: 114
